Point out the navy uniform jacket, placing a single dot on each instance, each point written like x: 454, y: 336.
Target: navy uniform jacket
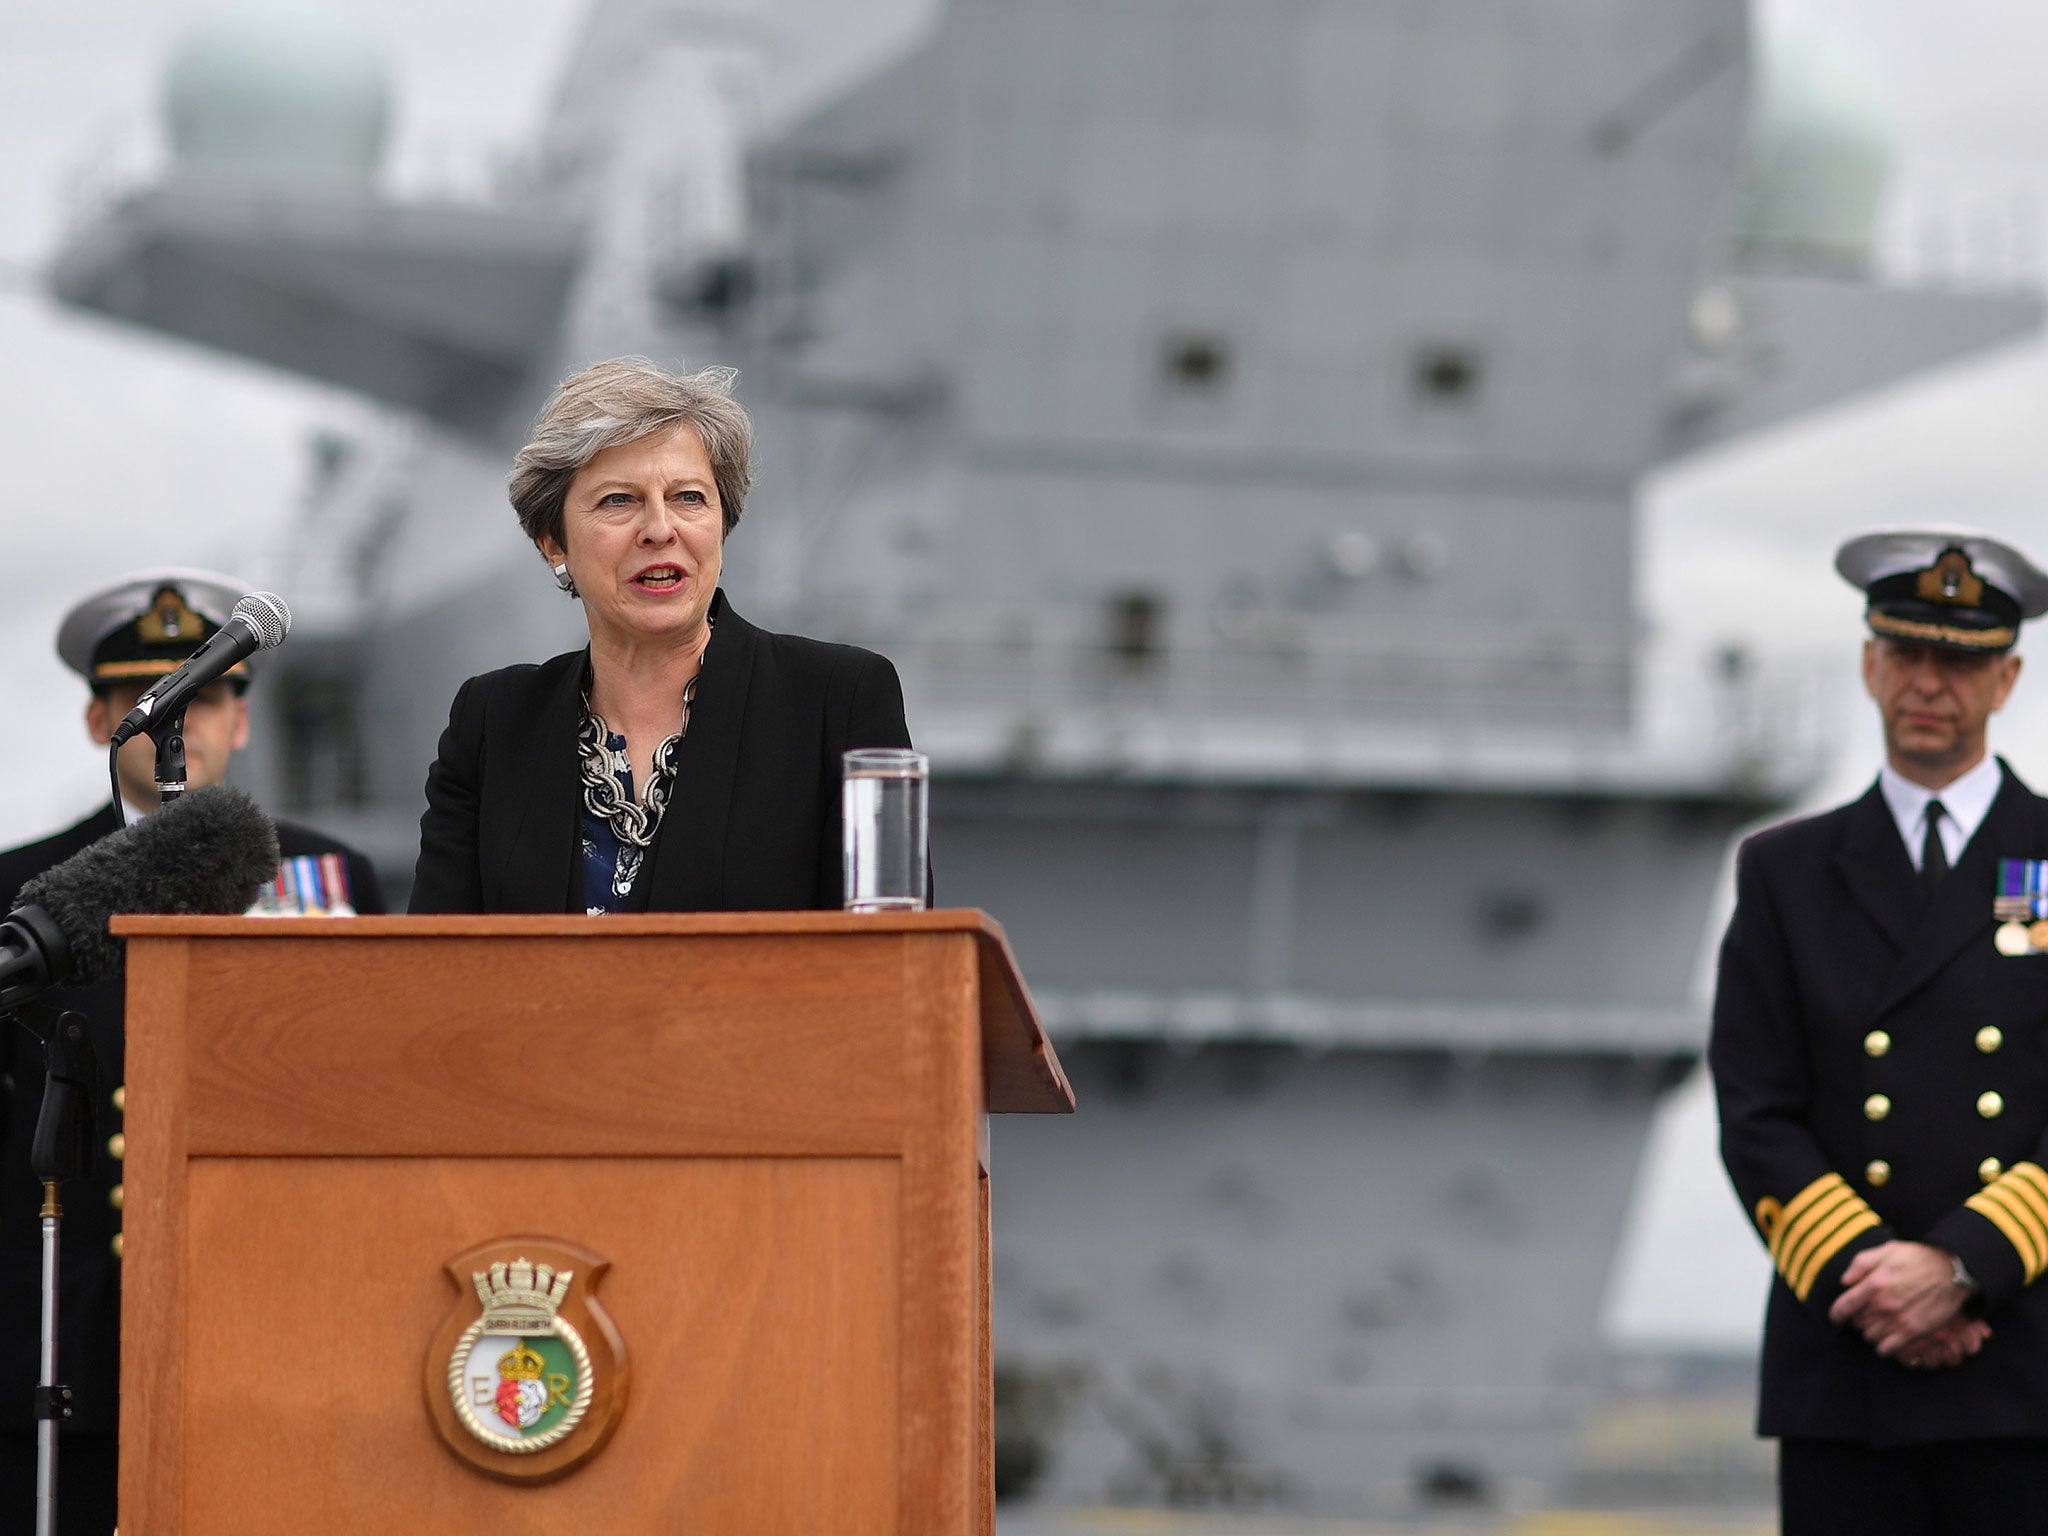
x: 89, y: 1344
x: 1883, y: 1073
x: 752, y: 823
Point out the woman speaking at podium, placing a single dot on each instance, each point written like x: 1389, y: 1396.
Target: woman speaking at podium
x: 685, y: 760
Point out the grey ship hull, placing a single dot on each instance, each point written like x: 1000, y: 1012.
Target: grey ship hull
x: 1298, y: 1248
x: 1343, y: 1280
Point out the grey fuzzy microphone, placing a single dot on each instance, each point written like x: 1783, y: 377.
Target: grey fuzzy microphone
x: 203, y: 853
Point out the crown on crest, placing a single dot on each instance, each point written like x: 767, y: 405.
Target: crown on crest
x: 521, y: 1297
x: 521, y: 1363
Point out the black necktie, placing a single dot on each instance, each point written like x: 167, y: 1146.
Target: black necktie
x: 1933, y: 855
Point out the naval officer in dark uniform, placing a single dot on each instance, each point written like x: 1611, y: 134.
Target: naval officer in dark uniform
x: 119, y: 640
x: 1880, y: 1055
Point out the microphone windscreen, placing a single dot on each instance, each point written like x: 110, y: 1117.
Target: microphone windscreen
x: 204, y: 853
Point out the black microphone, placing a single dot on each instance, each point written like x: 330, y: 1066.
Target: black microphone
x: 203, y: 853
x: 260, y: 621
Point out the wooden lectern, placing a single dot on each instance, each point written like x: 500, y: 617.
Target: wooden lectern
x: 769, y: 1124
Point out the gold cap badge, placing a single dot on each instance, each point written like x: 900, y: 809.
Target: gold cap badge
x: 169, y: 620
x: 1950, y: 580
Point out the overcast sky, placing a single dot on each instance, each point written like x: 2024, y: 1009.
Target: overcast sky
x: 124, y: 450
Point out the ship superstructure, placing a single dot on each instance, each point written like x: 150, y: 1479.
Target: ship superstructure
x: 1228, y: 417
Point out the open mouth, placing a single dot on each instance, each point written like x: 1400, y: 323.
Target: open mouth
x: 660, y: 578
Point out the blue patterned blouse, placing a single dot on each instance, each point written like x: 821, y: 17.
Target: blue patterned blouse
x: 616, y: 828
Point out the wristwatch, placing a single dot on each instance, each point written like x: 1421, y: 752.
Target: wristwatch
x: 1961, y: 1274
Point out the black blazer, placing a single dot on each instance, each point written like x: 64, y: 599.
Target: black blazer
x: 88, y: 1350
x: 1850, y: 1057
x: 752, y: 825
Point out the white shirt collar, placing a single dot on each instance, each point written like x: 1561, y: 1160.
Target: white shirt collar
x: 1966, y: 801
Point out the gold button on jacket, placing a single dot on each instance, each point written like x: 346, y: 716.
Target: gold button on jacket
x: 1990, y: 1105
x: 1990, y: 1038
x: 1876, y: 1107
x: 1989, y: 1169
x: 1877, y: 1173
x: 117, y: 1146
x: 1877, y: 1042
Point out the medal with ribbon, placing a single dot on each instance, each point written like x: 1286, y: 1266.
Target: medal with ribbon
x: 2021, y: 906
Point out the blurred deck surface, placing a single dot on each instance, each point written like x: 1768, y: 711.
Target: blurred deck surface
x: 1670, y: 1451
x: 1561, y: 1522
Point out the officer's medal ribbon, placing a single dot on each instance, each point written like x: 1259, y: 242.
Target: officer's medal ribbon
x: 2021, y: 907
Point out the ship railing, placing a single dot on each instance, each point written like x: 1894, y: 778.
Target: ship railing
x: 438, y: 169
x: 1317, y: 687
x: 1194, y: 1018
x: 1962, y: 227
x: 1974, y: 226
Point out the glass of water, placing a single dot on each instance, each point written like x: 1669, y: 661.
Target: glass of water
x: 886, y: 816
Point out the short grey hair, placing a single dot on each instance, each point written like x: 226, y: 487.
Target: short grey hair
x: 621, y: 401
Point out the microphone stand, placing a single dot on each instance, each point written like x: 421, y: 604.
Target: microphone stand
x: 170, y: 766
x: 62, y: 1149
x: 170, y: 759
x: 63, y: 1144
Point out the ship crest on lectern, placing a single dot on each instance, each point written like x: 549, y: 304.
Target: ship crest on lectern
x: 527, y: 1376
x: 520, y: 1376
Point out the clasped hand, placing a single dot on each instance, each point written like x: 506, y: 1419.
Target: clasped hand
x: 1903, y: 1298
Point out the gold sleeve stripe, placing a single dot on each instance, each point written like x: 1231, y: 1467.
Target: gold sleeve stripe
x: 2022, y: 1244
x: 1793, y: 1236
x: 1860, y: 1219
x: 1826, y: 1183
x: 1814, y: 1226
x: 2030, y: 1180
x: 1819, y: 1226
x: 2026, y: 1202
x: 2007, y: 1208
x: 1795, y: 1210
x: 2012, y: 1195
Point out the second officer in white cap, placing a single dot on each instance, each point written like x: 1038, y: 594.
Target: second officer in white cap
x: 1880, y: 1055
x: 119, y: 640
x: 123, y: 639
